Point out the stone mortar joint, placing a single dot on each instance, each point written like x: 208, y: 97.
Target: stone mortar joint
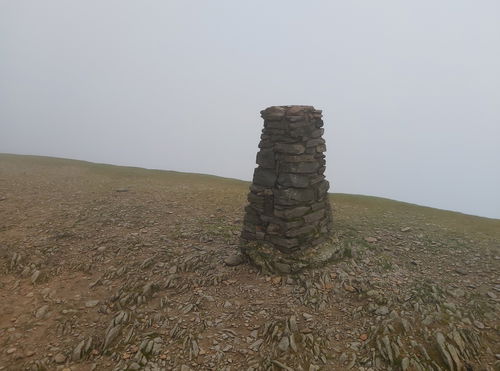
x: 288, y: 221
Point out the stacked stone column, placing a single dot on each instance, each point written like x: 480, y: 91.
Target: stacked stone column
x: 288, y: 211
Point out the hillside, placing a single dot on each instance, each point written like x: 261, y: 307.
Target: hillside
x: 116, y: 268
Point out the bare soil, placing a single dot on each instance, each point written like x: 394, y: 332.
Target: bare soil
x: 115, y: 268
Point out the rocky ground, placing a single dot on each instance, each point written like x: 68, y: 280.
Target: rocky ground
x: 112, y: 268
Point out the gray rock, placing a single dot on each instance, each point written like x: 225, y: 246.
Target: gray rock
x: 285, y: 242
x: 291, y: 149
x: 91, y: 303
x: 273, y: 113
x: 264, y: 177
x: 234, y: 260
x: 291, y: 213
x: 405, y: 363
x: 35, y: 277
x: 301, y: 231
x: 300, y: 167
x: 59, y: 358
x: 292, y: 322
x: 256, y: 345
x: 478, y: 324
x: 284, y: 344
x: 293, y: 180
x: 282, y: 267
x: 441, y: 345
x: 292, y: 196
x: 266, y: 159
x: 382, y: 310
x: 41, y: 312
x: 314, y: 216
x: 111, y: 336
x: 78, y: 351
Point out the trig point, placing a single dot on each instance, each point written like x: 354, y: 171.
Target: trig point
x: 288, y: 221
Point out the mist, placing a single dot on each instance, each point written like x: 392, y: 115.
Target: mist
x: 409, y: 90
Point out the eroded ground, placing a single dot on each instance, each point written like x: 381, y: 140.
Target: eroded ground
x: 110, y: 268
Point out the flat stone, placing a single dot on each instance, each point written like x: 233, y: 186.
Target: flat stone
x: 284, y: 344
x: 276, y: 125
x: 478, y: 324
x: 297, y: 122
x: 42, y: 312
x: 292, y: 213
x: 300, y: 231
x: 294, y: 119
x: 382, y: 311
x: 314, y: 216
x: 317, y: 133
x: 264, y: 177
x: 233, y: 260
x: 91, y: 303
x: 266, y: 159
x: 290, y: 196
x: 318, y: 205
x: 296, y: 110
x: 35, y: 277
x: 297, y: 158
x: 323, y: 187
x: 306, y: 131
x: 273, y: 113
x: 321, y: 148
x: 300, y: 167
x: 292, y: 149
x: 293, y: 180
x: 288, y: 243
x: 315, y: 142
x: 256, y: 345
x: 59, y: 358
x: 282, y: 267
x: 286, y: 226
x: 441, y: 343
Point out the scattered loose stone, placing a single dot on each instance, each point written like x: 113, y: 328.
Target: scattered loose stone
x: 284, y: 344
x: 234, y: 260
x: 479, y: 324
x: 35, y: 276
x: 91, y: 303
x: 256, y: 345
x: 382, y: 311
x: 41, y: 312
x: 59, y: 358
x: 491, y: 294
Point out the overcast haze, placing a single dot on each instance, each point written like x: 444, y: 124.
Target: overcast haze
x: 410, y: 91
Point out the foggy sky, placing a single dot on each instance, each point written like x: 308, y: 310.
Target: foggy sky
x: 410, y: 91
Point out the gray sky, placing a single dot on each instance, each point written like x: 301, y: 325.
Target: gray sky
x: 410, y: 90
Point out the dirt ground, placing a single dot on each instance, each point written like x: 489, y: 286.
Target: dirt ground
x: 115, y: 268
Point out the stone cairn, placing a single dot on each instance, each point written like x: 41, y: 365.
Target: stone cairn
x: 288, y: 221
